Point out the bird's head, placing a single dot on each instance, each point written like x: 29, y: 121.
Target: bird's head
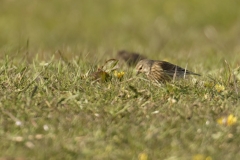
x: 143, y: 66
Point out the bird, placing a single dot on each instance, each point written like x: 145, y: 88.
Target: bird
x: 161, y: 71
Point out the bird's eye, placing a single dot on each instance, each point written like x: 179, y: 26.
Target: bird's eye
x: 140, y: 68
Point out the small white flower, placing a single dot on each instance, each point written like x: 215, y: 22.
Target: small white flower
x: 18, y: 123
x: 96, y: 114
x: 155, y: 112
x: 38, y: 136
x: 45, y: 127
x: 207, y: 123
x: 43, y: 63
x: 172, y: 100
x: 17, y: 139
x: 29, y: 144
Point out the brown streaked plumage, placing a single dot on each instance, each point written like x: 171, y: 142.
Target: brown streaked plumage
x: 131, y: 58
x: 161, y: 71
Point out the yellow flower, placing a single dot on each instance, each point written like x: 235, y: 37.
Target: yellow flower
x: 228, y: 121
x: 201, y: 157
x: 119, y: 75
x: 142, y: 156
x: 231, y: 120
x: 219, y: 88
x: 198, y: 157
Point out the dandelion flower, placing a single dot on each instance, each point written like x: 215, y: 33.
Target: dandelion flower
x: 219, y: 88
x: 119, y: 75
x: 201, y: 157
x: 231, y: 120
x: 142, y: 156
x: 228, y: 121
x: 198, y: 157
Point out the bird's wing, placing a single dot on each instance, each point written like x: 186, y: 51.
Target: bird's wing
x: 172, y: 69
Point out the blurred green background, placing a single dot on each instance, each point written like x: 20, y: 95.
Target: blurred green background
x: 152, y: 27
x: 200, y: 33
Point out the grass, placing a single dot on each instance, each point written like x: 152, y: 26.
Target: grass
x: 52, y: 109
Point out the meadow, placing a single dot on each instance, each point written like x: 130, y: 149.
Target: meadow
x: 51, y: 108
